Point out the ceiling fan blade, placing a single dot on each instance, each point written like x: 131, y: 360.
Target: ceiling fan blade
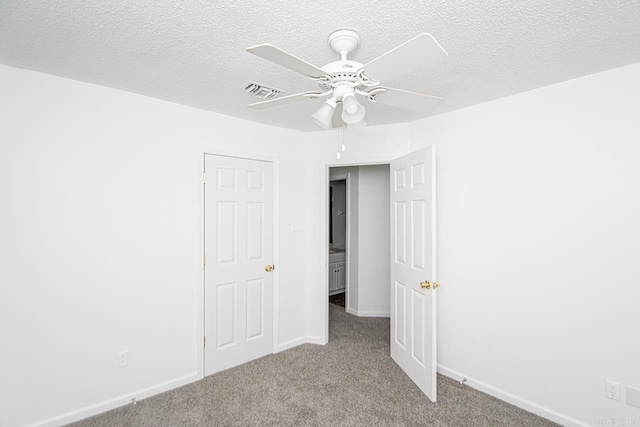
x: 417, y: 53
x: 407, y: 100
x: 287, y: 60
x: 284, y: 100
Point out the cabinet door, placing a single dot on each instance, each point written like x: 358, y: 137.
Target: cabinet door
x: 341, y: 275
x: 333, y: 282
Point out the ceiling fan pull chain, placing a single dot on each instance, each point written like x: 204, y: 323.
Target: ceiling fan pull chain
x: 341, y: 146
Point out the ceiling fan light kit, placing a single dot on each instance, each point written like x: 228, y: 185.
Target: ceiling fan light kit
x: 342, y: 80
x: 324, y: 115
x: 352, y: 111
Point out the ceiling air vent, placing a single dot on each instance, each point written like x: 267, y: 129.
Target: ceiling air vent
x: 261, y: 91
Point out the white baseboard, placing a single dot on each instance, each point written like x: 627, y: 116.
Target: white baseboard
x: 374, y: 314
x: 368, y: 313
x: 512, y: 399
x: 117, y: 402
x: 315, y: 340
x: 299, y: 341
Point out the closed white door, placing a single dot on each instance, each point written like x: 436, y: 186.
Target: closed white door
x: 413, y: 244
x: 238, y: 319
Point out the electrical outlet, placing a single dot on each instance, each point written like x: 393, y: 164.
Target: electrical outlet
x: 123, y: 358
x: 612, y: 390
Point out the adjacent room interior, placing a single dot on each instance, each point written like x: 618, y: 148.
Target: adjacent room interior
x: 359, y: 233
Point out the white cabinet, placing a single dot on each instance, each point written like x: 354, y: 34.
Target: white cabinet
x: 337, y: 273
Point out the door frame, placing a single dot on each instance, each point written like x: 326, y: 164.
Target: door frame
x: 211, y: 149
x: 324, y: 239
x: 347, y: 178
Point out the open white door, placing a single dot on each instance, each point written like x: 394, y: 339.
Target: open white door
x: 238, y: 318
x: 413, y: 256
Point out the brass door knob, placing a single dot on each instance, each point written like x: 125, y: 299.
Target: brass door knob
x: 426, y: 284
x: 436, y: 285
x: 269, y: 268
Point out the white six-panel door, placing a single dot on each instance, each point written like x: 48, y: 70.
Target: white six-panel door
x: 413, y: 308
x: 238, y: 294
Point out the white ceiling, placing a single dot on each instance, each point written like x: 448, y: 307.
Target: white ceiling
x: 192, y: 52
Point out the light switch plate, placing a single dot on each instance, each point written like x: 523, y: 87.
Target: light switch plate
x: 633, y: 396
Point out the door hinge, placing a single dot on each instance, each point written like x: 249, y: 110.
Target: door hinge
x: 204, y: 342
x: 204, y: 260
x: 204, y: 178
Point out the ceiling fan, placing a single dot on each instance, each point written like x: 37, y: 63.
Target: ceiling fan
x: 342, y: 80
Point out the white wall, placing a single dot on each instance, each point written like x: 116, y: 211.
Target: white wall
x: 538, y: 223
x: 99, y: 246
x: 373, y: 241
x: 537, y: 240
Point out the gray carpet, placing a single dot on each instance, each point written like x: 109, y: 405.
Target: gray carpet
x: 351, y: 381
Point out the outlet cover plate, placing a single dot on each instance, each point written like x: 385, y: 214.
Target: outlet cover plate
x: 612, y: 390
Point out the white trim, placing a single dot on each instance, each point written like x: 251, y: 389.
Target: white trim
x: 347, y: 229
x: 324, y: 230
x: 292, y: 343
x: 338, y: 177
x: 324, y: 254
x: 199, y: 251
x: 348, y: 241
x: 276, y: 253
x: 525, y: 404
x: 299, y: 341
x: 98, y: 408
x: 216, y: 151
x: 315, y: 340
x: 368, y: 313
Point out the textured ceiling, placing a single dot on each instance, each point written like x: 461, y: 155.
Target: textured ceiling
x: 192, y: 52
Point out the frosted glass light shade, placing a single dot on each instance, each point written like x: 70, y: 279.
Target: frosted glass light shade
x: 350, y: 104
x: 352, y: 110
x: 324, y: 115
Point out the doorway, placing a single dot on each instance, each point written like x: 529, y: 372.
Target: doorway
x: 358, y: 238
x: 412, y: 264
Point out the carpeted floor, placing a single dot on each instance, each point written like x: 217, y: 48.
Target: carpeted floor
x: 351, y: 381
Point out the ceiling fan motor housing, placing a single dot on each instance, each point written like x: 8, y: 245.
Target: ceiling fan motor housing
x: 344, y: 41
x: 343, y: 73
